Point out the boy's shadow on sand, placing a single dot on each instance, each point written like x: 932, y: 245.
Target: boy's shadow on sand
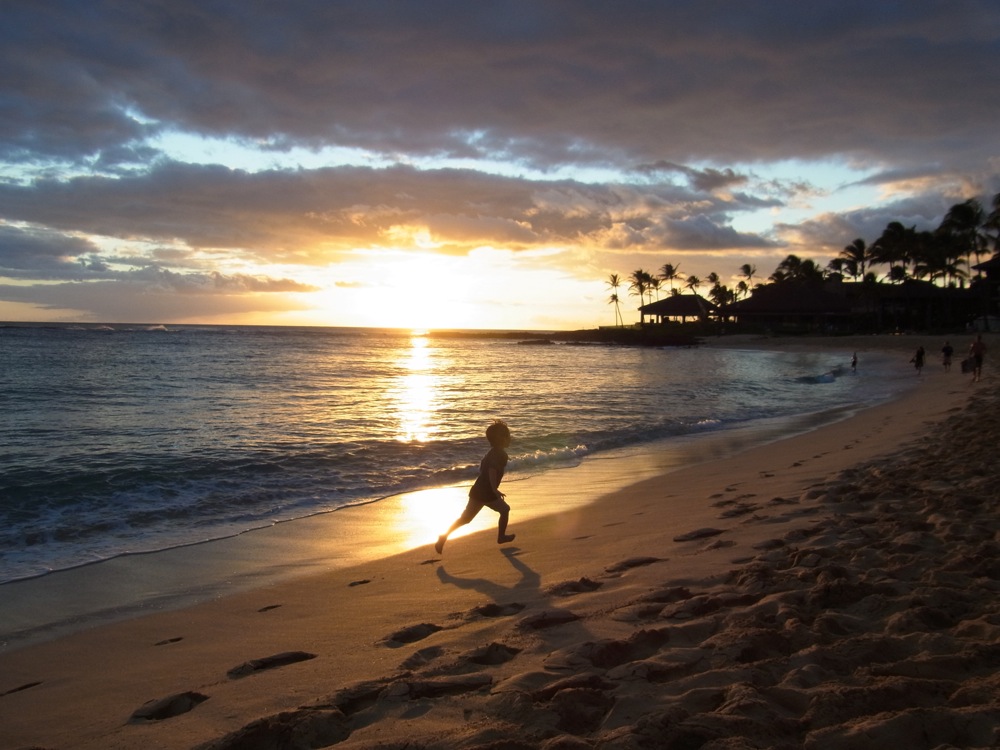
x: 510, y: 600
x: 530, y: 581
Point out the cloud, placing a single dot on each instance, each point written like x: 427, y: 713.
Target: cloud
x: 132, y: 301
x: 43, y: 254
x: 703, y: 233
x: 709, y: 179
x: 542, y: 83
x: 307, y: 217
x: 52, y: 257
x: 606, y: 132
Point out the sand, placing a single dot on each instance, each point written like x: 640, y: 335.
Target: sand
x: 838, y: 589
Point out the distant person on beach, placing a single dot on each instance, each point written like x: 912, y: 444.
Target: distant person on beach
x: 486, y: 490
x: 976, y: 352
x: 854, y: 362
x: 946, y: 351
x: 918, y: 359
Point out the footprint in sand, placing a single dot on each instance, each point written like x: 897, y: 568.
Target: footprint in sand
x: 362, y: 582
x: 410, y: 634
x: 718, y: 544
x: 569, y: 588
x: 698, y: 534
x: 491, y: 655
x: 549, y: 618
x: 421, y: 658
x: 268, y: 662
x: 668, y: 595
x: 497, y: 610
x: 785, y: 500
x: 608, y: 653
x: 167, y: 708
x: 20, y: 688
x: 580, y: 702
x: 632, y: 562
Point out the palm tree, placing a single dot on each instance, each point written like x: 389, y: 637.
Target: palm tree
x: 639, y: 285
x: 841, y: 266
x: 856, y: 257
x: 742, y: 289
x: 692, y: 283
x: 895, y: 249
x: 720, y: 294
x: 670, y: 273
x: 654, y: 286
x: 992, y: 223
x: 961, y: 225
x: 613, y: 299
x: 936, y: 258
x: 614, y: 281
x: 747, y: 271
x: 793, y: 268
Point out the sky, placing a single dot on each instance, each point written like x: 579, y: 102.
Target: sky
x: 456, y: 164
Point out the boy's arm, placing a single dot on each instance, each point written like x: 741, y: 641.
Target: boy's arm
x: 495, y: 477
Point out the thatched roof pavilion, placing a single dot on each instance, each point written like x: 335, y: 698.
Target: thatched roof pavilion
x: 681, y: 306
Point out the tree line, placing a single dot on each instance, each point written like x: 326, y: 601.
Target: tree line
x: 945, y: 255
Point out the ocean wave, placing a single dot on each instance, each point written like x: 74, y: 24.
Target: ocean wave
x: 125, y: 443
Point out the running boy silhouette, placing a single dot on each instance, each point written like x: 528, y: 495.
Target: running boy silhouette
x: 485, y: 491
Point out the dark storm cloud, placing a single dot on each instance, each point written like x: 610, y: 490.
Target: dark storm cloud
x: 44, y: 254
x: 543, y: 82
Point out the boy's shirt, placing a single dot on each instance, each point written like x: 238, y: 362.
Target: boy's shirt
x: 496, y: 459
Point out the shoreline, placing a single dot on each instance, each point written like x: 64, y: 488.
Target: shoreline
x: 64, y: 601
x: 67, y: 601
x: 411, y: 622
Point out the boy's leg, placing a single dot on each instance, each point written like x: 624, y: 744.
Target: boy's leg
x: 439, y: 544
x: 502, y: 536
x: 470, y: 512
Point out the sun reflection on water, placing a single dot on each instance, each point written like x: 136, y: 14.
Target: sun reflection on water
x: 418, y: 394
x: 419, y: 517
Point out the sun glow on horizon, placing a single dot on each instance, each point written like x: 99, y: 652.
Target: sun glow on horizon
x: 486, y: 288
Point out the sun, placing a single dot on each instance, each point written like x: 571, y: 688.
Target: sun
x: 427, y: 291
x: 409, y: 289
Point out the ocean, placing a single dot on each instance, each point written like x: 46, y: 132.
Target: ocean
x: 124, y: 439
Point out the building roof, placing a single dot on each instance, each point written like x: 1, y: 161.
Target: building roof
x: 680, y: 306
x: 992, y: 265
x: 790, y: 298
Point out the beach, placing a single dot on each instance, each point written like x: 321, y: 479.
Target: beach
x: 837, y: 589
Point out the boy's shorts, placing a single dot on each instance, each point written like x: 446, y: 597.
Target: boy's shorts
x: 477, y: 503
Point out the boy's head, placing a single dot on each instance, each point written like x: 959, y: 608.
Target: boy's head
x: 498, y: 434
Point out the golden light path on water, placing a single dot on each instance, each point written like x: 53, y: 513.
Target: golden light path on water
x: 418, y: 394
x: 421, y: 516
